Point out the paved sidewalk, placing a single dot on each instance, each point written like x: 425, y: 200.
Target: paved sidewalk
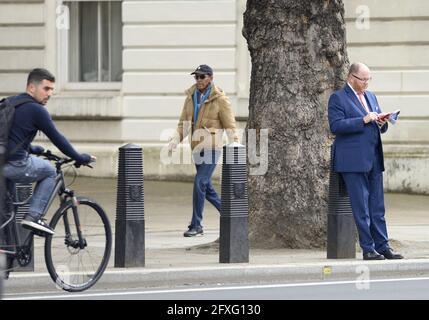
x: 173, y: 259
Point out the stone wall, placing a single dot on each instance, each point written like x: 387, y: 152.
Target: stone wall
x: 165, y: 40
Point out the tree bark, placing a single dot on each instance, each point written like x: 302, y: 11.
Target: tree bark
x: 299, y: 57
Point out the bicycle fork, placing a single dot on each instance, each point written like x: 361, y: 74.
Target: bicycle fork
x: 81, y: 242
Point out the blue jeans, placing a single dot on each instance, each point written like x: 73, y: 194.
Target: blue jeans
x: 205, y: 163
x: 33, y: 169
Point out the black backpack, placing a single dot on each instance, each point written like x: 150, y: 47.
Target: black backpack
x: 7, y: 110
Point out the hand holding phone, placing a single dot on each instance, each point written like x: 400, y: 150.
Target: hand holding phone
x: 384, y: 116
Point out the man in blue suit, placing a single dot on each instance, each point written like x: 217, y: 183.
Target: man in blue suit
x: 358, y: 155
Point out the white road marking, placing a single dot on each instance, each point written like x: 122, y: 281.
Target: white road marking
x: 166, y: 291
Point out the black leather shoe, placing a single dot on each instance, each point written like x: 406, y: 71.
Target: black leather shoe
x: 373, y: 256
x: 390, y: 254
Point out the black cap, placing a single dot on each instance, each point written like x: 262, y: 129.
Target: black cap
x: 203, y: 69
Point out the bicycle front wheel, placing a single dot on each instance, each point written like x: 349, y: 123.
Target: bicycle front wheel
x: 77, y: 265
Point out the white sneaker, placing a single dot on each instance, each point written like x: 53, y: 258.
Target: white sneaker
x: 37, y: 224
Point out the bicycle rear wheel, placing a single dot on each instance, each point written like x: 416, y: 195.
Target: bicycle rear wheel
x: 71, y: 267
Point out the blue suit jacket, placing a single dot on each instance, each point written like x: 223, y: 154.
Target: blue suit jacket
x: 356, y: 143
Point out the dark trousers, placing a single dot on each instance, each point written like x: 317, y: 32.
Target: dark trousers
x: 367, y: 201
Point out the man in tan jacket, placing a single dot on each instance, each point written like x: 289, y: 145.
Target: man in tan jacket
x: 205, y: 115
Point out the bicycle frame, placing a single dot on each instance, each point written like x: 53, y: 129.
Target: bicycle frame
x: 21, y: 252
x: 60, y: 191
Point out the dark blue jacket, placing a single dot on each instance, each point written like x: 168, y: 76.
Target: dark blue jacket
x: 29, y: 118
x: 356, y: 143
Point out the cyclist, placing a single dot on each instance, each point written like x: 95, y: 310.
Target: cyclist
x: 22, y: 167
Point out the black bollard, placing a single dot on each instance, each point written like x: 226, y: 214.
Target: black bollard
x: 23, y: 192
x: 2, y: 268
x: 234, y: 217
x: 2, y: 195
x: 341, y: 224
x: 130, y: 223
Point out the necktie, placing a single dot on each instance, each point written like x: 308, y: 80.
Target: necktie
x: 363, y: 102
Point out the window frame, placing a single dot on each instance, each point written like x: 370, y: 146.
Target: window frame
x: 64, y: 57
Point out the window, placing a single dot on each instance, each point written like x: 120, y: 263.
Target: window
x: 95, y: 41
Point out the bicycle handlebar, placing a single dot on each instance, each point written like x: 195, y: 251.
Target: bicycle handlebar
x: 48, y: 155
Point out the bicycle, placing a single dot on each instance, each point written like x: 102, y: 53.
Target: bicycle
x: 77, y: 255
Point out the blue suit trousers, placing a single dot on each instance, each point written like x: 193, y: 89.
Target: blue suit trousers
x: 366, y: 194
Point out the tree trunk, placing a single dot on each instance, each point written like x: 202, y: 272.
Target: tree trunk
x: 298, y: 51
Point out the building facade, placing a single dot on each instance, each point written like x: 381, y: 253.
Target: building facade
x: 122, y: 68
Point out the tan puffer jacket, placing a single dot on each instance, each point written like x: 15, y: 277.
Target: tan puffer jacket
x: 214, y: 117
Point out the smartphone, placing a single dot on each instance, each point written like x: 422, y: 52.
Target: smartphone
x: 384, y: 116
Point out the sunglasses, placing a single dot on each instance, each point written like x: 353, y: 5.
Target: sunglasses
x: 200, y: 76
